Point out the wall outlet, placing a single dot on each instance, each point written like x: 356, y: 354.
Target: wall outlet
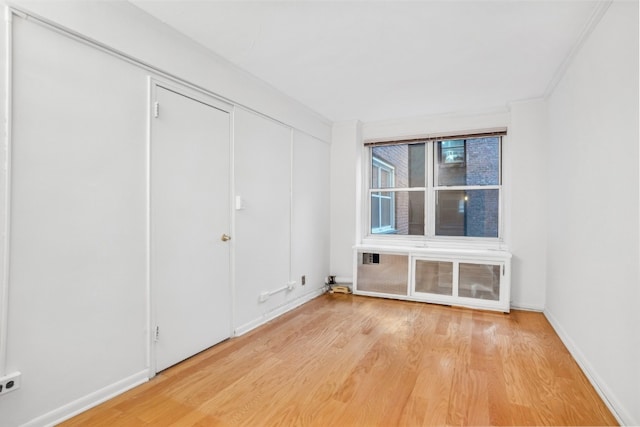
x: 263, y: 296
x: 303, y: 280
x: 10, y: 382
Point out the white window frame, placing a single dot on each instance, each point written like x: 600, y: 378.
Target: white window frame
x: 391, y: 170
x: 430, y: 239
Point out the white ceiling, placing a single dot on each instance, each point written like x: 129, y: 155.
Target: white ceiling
x: 373, y: 60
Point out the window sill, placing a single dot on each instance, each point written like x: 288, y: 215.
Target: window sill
x: 419, y: 242
x: 472, y: 252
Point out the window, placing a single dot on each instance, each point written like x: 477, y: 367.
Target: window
x: 382, y: 202
x: 436, y: 188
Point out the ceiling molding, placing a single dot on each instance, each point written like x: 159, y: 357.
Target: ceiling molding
x: 598, y: 12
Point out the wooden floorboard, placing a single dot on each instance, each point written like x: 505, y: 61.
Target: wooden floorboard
x: 343, y: 360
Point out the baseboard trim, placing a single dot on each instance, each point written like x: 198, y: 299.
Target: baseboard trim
x: 527, y: 307
x: 89, y: 401
x: 278, y: 311
x: 605, y: 393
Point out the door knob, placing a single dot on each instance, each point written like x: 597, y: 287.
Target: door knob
x: 225, y: 237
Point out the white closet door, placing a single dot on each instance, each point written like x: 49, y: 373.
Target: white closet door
x: 189, y: 214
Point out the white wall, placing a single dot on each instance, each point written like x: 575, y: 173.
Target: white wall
x: 346, y: 141
x: 593, y: 282
x: 525, y: 156
x: 78, y: 296
x: 424, y: 125
x: 310, y: 213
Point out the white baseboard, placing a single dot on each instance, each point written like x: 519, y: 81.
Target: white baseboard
x: 89, y: 401
x: 527, y: 307
x: 617, y: 409
x: 278, y: 311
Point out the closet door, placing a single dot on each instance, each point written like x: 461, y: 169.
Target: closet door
x: 190, y: 221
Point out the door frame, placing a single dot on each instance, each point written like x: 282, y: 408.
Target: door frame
x: 153, y: 83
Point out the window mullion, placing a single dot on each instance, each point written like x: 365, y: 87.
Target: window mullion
x: 429, y: 199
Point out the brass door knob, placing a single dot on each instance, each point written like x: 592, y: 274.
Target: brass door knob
x: 225, y: 238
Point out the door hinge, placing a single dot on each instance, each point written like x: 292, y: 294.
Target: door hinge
x: 156, y: 336
x: 156, y: 109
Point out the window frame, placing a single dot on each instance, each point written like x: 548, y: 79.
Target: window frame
x: 429, y: 238
x: 382, y: 165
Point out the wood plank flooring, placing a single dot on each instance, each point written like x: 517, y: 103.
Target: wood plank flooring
x: 343, y: 360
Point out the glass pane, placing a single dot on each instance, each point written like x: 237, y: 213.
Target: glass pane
x: 375, y: 212
x: 471, y: 213
x: 468, y: 162
x: 452, y: 151
x: 416, y: 213
x: 383, y: 273
x: 434, y: 277
x: 382, y: 212
x: 397, y: 212
x: 375, y: 176
x: 479, y: 281
x: 386, y: 214
x: 386, y: 178
x: 416, y: 165
x: 398, y: 166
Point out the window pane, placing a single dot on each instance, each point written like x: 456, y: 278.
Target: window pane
x: 468, y: 162
x: 398, y: 166
x: 416, y: 165
x: 382, y: 212
x: 472, y: 213
x: 386, y: 215
x: 479, y: 281
x: 416, y: 213
x: 397, y: 212
x: 434, y: 277
x: 375, y: 213
x: 375, y: 176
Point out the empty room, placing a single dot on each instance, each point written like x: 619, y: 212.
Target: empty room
x: 319, y: 213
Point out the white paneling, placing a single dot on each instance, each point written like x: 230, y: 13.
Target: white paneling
x: 310, y: 213
x: 593, y: 246
x: 77, y: 309
x: 262, y: 156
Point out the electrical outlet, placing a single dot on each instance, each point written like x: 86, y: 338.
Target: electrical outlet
x: 10, y: 382
x: 303, y: 281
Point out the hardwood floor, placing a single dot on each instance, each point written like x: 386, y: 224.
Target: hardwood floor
x: 343, y: 360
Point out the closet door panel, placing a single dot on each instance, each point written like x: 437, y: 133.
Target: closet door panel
x: 262, y: 238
